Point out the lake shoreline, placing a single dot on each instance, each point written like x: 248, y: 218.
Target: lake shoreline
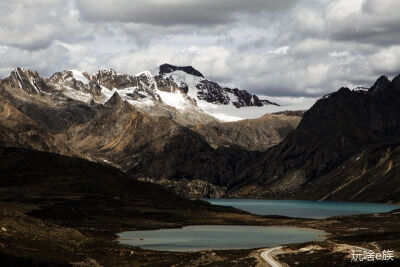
x: 303, y: 209
x: 218, y: 237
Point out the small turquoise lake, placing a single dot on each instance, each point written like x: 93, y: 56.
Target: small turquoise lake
x: 218, y: 237
x: 303, y: 208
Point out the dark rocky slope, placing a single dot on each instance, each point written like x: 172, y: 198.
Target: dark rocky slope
x: 345, y: 148
x: 61, y: 211
x: 18, y: 129
x: 78, y: 192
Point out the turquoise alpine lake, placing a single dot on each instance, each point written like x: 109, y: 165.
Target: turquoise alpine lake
x: 303, y: 208
x: 218, y: 237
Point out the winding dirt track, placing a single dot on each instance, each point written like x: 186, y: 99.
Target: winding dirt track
x: 266, y: 254
x: 267, y: 257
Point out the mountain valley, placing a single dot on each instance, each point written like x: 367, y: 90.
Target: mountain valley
x: 152, y: 127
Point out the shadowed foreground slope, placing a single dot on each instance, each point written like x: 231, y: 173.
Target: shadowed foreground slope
x: 56, y: 210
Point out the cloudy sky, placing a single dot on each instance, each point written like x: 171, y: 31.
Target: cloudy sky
x: 278, y: 48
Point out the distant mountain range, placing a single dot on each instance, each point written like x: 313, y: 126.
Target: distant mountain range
x: 161, y: 127
x: 179, y: 92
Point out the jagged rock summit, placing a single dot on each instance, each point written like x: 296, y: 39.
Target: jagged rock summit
x: 167, y: 68
x: 115, y: 100
x: 27, y: 80
x: 381, y: 84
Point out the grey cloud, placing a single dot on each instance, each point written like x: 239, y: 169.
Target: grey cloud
x: 254, y: 44
x: 45, y: 61
x: 175, y: 12
x: 143, y: 34
x: 34, y: 25
x: 323, y: 45
x: 375, y: 23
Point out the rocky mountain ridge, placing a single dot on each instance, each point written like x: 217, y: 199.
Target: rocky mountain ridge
x: 345, y: 148
x: 252, y: 134
x: 180, y: 93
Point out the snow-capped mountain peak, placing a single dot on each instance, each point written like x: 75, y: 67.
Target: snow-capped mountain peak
x: 173, y: 90
x: 80, y: 76
x: 202, y: 89
x: 27, y: 80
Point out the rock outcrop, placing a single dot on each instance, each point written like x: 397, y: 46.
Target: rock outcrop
x: 190, y: 188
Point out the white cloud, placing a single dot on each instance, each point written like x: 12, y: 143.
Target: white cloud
x: 386, y: 60
x: 280, y: 51
x: 341, y: 9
